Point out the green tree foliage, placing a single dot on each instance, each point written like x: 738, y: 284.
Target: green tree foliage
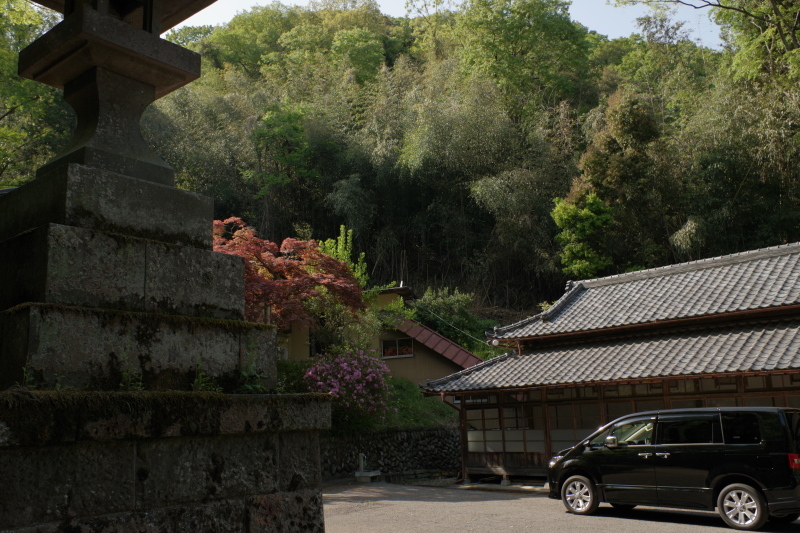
x: 284, y: 174
x: 583, y: 223
x: 764, y: 35
x: 33, y: 118
x: 250, y: 37
x: 341, y: 248
x: 188, y: 36
x: 449, y: 312
x: 205, y: 131
x: 358, y: 51
x: 441, y: 139
x: 531, y: 48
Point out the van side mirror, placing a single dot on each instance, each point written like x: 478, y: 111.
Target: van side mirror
x: 611, y: 441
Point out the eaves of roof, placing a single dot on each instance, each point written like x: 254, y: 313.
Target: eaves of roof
x: 438, y: 343
x: 656, y: 325
x: 754, y: 347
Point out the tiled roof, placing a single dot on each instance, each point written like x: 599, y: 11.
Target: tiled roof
x: 438, y: 343
x: 769, y: 277
x: 765, y: 346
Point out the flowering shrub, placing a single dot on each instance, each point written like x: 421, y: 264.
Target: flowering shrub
x: 356, y: 380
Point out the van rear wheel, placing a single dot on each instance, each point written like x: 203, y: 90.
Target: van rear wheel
x: 579, y: 495
x: 742, y: 507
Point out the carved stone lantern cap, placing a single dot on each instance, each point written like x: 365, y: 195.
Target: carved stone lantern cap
x: 108, y: 58
x: 167, y: 13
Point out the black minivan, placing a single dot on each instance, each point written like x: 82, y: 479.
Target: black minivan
x: 743, y: 461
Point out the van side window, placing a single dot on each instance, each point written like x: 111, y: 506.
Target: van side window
x: 741, y: 428
x: 703, y: 430
x: 639, y: 432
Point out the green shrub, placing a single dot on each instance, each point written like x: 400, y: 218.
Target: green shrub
x: 409, y: 409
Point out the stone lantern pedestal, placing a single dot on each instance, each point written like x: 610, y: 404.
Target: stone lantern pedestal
x: 107, y: 272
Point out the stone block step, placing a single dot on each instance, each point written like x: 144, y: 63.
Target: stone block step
x: 86, y: 197
x: 150, y: 461
x: 88, y: 268
x: 96, y: 348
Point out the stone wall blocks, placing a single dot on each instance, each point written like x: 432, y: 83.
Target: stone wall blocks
x: 188, y: 281
x: 51, y: 418
x: 83, y: 267
x: 91, y: 198
x: 269, y: 512
x: 102, y: 462
x: 400, y: 452
x: 208, y: 469
x: 53, y: 484
x: 299, y: 465
x: 92, y: 348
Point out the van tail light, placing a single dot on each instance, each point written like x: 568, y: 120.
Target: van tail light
x: 794, y: 460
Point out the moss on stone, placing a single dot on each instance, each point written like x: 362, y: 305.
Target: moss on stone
x: 36, y: 418
x: 148, y: 318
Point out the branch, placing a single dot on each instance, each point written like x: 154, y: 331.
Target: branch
x: 778, y: 25
x: 704, y: 4
x: 10, y: 112
x: 793, y: 29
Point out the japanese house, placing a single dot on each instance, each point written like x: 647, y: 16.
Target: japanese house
x: 410, y: 350
x: 723, y: 331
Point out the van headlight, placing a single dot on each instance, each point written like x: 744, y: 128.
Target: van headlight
x: 554, y: 461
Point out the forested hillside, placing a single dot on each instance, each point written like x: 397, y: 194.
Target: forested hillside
x: 498, y: 146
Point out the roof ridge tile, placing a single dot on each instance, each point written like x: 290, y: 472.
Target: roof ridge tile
x: 699, y: 264
x: 573, y: 289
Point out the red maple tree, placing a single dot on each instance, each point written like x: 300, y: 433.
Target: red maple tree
x: 280, y: 280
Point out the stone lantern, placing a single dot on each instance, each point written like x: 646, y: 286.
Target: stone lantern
x: 107, y: 267
x: 107, y: 271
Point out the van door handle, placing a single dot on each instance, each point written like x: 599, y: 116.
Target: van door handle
x: 645, y: 455
x: 663, y: 455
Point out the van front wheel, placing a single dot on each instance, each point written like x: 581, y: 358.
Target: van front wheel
x: 579, y: 495
x: 742, y: 507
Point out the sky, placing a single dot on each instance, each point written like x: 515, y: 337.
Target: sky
x: 594, y: 14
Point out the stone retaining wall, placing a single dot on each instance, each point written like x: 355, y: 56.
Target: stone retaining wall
x: 408, y: 453
x: 151, y: 462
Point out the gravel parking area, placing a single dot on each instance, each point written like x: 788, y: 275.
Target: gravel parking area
x: 388, y: 508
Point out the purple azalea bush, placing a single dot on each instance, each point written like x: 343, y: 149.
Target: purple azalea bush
x: 356, y: 379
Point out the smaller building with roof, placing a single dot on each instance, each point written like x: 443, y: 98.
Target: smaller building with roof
x: 410, y: 349
x: 723, y: 331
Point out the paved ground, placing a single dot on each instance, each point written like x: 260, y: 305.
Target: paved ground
x: 387, y: 508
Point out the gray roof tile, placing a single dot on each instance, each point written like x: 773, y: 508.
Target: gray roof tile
x: 758, y: 279
x: 766, y: 346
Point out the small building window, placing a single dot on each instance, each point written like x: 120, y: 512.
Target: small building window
x: 397, y: 348
x: 719, y: 384
x: 649, y: 389
x: 618, y: 391
x: 785, y: 381
x: 684, y: 386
